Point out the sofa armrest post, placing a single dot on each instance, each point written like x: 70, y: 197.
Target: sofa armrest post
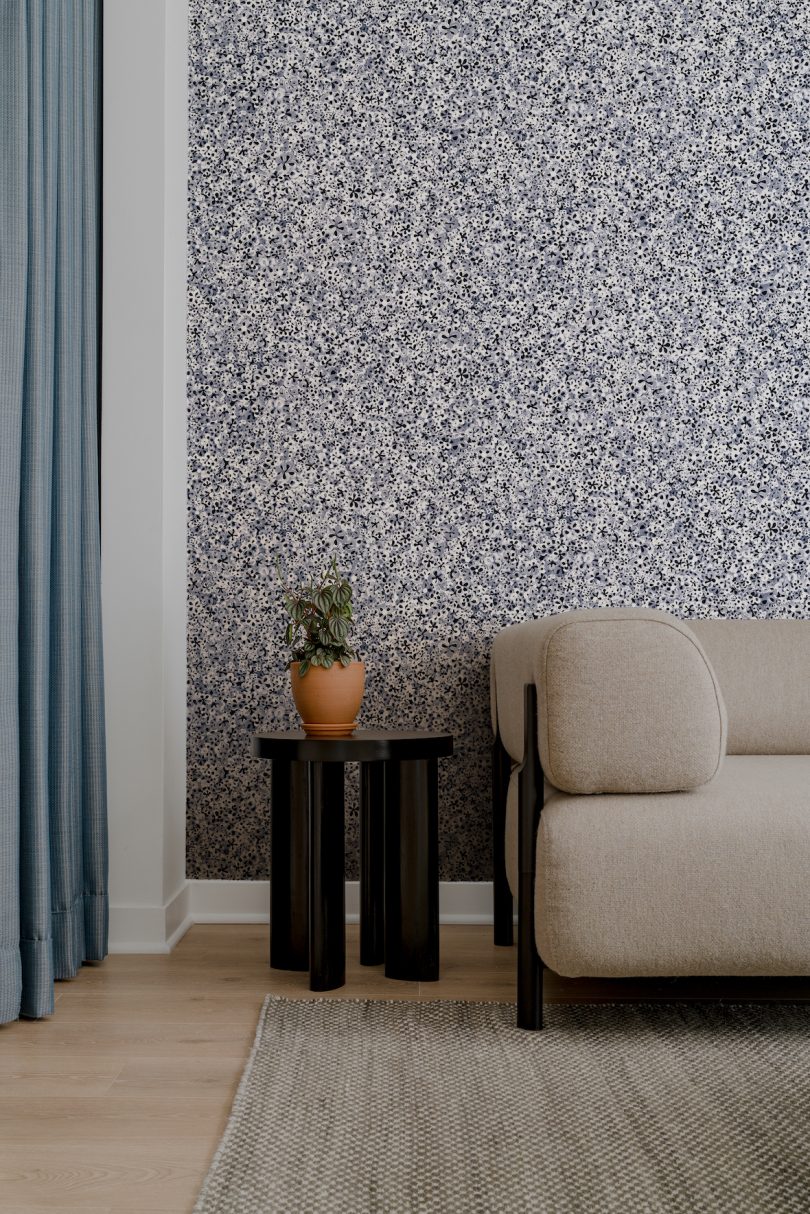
x: 503, y: 906
x: 530, y: 966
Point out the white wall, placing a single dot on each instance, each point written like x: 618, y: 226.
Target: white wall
x: 144, y: 464
x: 174, y: 454
x: 143, y: 498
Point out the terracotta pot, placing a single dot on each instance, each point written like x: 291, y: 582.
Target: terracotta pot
x: 328, y: 700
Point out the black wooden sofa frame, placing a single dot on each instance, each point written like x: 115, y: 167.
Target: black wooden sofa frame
x: 530, y: 776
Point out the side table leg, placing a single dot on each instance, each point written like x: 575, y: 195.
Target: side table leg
x: 327, y: 886
x: 372, y: 862
x: 412, y: 870
x: 289, y: 881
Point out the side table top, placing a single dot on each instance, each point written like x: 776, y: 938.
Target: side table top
x: 364, y: 746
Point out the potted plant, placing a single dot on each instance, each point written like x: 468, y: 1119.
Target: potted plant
x: 326, y: 675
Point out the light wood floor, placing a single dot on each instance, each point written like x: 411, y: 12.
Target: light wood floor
x: 117, y: 1102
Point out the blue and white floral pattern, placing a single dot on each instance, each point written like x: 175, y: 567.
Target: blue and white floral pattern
x: 505, y: 302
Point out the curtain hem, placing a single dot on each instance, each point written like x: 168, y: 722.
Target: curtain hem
x: 37, y: 970
x: 79, y: 935
x: 10, y: 984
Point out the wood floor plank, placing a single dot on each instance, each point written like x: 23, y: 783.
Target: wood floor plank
x: 177, y: 1076
x: 29, y: 1073
x: 89, y: 1038
x: 40, y: 1117
x: 54, y: 1180
x: 76, y: 1131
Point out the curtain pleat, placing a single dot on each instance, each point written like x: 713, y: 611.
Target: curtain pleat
x: 94, y: 759
x: 35, y: 517
x: 58, y: 810
x: 13, y: 302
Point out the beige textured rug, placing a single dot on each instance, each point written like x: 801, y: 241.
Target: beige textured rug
x: 348, y: 1106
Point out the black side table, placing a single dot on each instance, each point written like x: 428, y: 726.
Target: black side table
x: 399, y: 852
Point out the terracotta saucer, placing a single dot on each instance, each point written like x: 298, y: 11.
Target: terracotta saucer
x: 313, y: 730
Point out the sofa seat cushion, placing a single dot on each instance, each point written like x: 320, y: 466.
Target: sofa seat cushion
x: 627, y: 700
x: 708, y: 882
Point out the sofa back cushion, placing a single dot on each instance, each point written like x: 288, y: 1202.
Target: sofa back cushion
x: 630, y: 705
x: 628, y: 702
x: 763, y: 667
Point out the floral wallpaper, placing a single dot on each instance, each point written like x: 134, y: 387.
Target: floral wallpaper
x: 505, y: 304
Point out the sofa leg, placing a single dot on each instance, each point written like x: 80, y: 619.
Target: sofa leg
x: 503, y: 906
x: 530, y: 966
x: 530, y: 989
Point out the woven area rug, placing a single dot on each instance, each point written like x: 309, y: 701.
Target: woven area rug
x: 348, y: 1106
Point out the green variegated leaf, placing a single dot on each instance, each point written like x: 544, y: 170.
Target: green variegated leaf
x: 320, y: 620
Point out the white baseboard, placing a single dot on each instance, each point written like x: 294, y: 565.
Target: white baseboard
x: 230, y: 901
x: 178, y: 916
x: 138, y: 929
x: 151, y: 929
x: 145, y: 929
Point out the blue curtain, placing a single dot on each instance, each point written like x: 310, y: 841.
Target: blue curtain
x: 53, y: 832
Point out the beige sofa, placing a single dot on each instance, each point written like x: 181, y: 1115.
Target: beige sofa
x: 652, y: 796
